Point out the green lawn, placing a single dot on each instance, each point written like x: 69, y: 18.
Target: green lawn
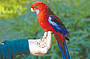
x: 17, y: 21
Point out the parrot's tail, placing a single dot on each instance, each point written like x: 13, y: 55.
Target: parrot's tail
x: 62, y: 45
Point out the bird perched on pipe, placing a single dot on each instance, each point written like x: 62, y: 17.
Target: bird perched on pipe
x: 50, y: 22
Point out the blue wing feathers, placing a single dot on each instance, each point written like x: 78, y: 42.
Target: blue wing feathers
x: 56, y: 26
x: 61, y: 29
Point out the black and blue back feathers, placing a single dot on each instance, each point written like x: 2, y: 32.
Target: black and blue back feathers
x: 58, y: 26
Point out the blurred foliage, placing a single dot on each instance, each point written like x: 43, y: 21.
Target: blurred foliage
x: 17, y: 21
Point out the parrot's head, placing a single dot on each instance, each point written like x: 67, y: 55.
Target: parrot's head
x: 38, y: 7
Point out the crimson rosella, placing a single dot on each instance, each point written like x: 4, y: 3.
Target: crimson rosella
x: 50, y: 22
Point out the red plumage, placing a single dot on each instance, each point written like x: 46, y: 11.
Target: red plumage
x: 43, y: 16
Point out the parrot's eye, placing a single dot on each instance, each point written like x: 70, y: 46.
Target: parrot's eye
x: 35, y: 6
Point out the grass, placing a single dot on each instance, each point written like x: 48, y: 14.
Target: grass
x: 23, y: 24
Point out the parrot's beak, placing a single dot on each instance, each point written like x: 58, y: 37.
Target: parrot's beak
x: 32, y: 10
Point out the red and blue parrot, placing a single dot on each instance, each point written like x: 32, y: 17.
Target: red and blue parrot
x: 50, y: 22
